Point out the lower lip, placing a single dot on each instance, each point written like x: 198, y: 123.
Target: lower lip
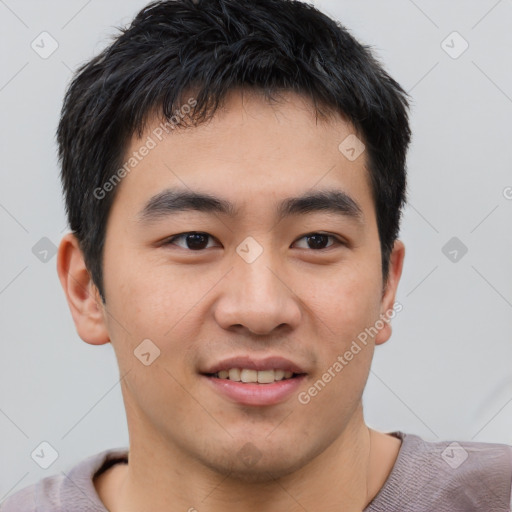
x: 256, y: 394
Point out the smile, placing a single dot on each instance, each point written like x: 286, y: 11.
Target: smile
x: 247, y: 375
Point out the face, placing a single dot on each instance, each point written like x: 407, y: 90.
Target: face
x: 204, y: 282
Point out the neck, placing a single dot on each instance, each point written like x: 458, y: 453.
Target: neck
x: 344, y: 477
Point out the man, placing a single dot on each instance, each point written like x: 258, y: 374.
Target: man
x: 234, y: 175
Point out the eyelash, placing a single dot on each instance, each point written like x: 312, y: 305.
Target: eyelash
x: 170, y: 241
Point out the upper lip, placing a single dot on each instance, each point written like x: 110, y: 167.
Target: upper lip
x: 251, y: 363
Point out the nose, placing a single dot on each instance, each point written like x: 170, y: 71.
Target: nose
x: 258, y: 296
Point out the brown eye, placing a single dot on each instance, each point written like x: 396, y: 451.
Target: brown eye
x: 195, y: 241
x: 318, y: 241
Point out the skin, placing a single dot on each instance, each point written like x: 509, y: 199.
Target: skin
x: 198, y: 307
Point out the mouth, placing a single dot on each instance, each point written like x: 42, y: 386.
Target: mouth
x: 250, y: 376
x: 246, y: 381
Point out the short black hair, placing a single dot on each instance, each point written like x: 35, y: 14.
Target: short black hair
x: 211, y: 47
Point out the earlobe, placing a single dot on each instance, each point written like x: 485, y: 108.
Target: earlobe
x: 388, y: 311
x: 83, y: 299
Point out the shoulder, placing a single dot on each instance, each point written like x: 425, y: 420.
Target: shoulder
x: 469, y: 475
x: 69, y: 490
x: 41, y: 497
x: 23, y: 500
x: 449, y: 475
x: 455, y: 453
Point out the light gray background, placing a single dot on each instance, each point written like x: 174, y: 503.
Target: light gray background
x: 446, y: 372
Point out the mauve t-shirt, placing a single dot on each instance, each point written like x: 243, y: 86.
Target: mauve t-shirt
x: 438, y: 476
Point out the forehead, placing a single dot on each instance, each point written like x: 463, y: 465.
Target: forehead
x: 250, y: 149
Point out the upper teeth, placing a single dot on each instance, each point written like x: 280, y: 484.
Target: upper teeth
x: 246, y: 375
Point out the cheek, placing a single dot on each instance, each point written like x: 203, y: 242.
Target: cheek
x: 346, y: 351
x: 332, y: 396
x: 150, y: 296
x: 150, y: 303
x: 347, y: 302
x: 342, y: 313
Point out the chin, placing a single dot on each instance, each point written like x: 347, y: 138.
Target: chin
x: 251, y: 465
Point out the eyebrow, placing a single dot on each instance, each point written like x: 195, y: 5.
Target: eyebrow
x: 174, y: 201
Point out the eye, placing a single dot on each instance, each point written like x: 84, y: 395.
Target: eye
x: 318, y: 240
x: 194, y: 240
x: 197, y: 240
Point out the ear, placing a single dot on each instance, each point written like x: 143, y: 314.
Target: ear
x: 82, y: 295
x: 387, y: 311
